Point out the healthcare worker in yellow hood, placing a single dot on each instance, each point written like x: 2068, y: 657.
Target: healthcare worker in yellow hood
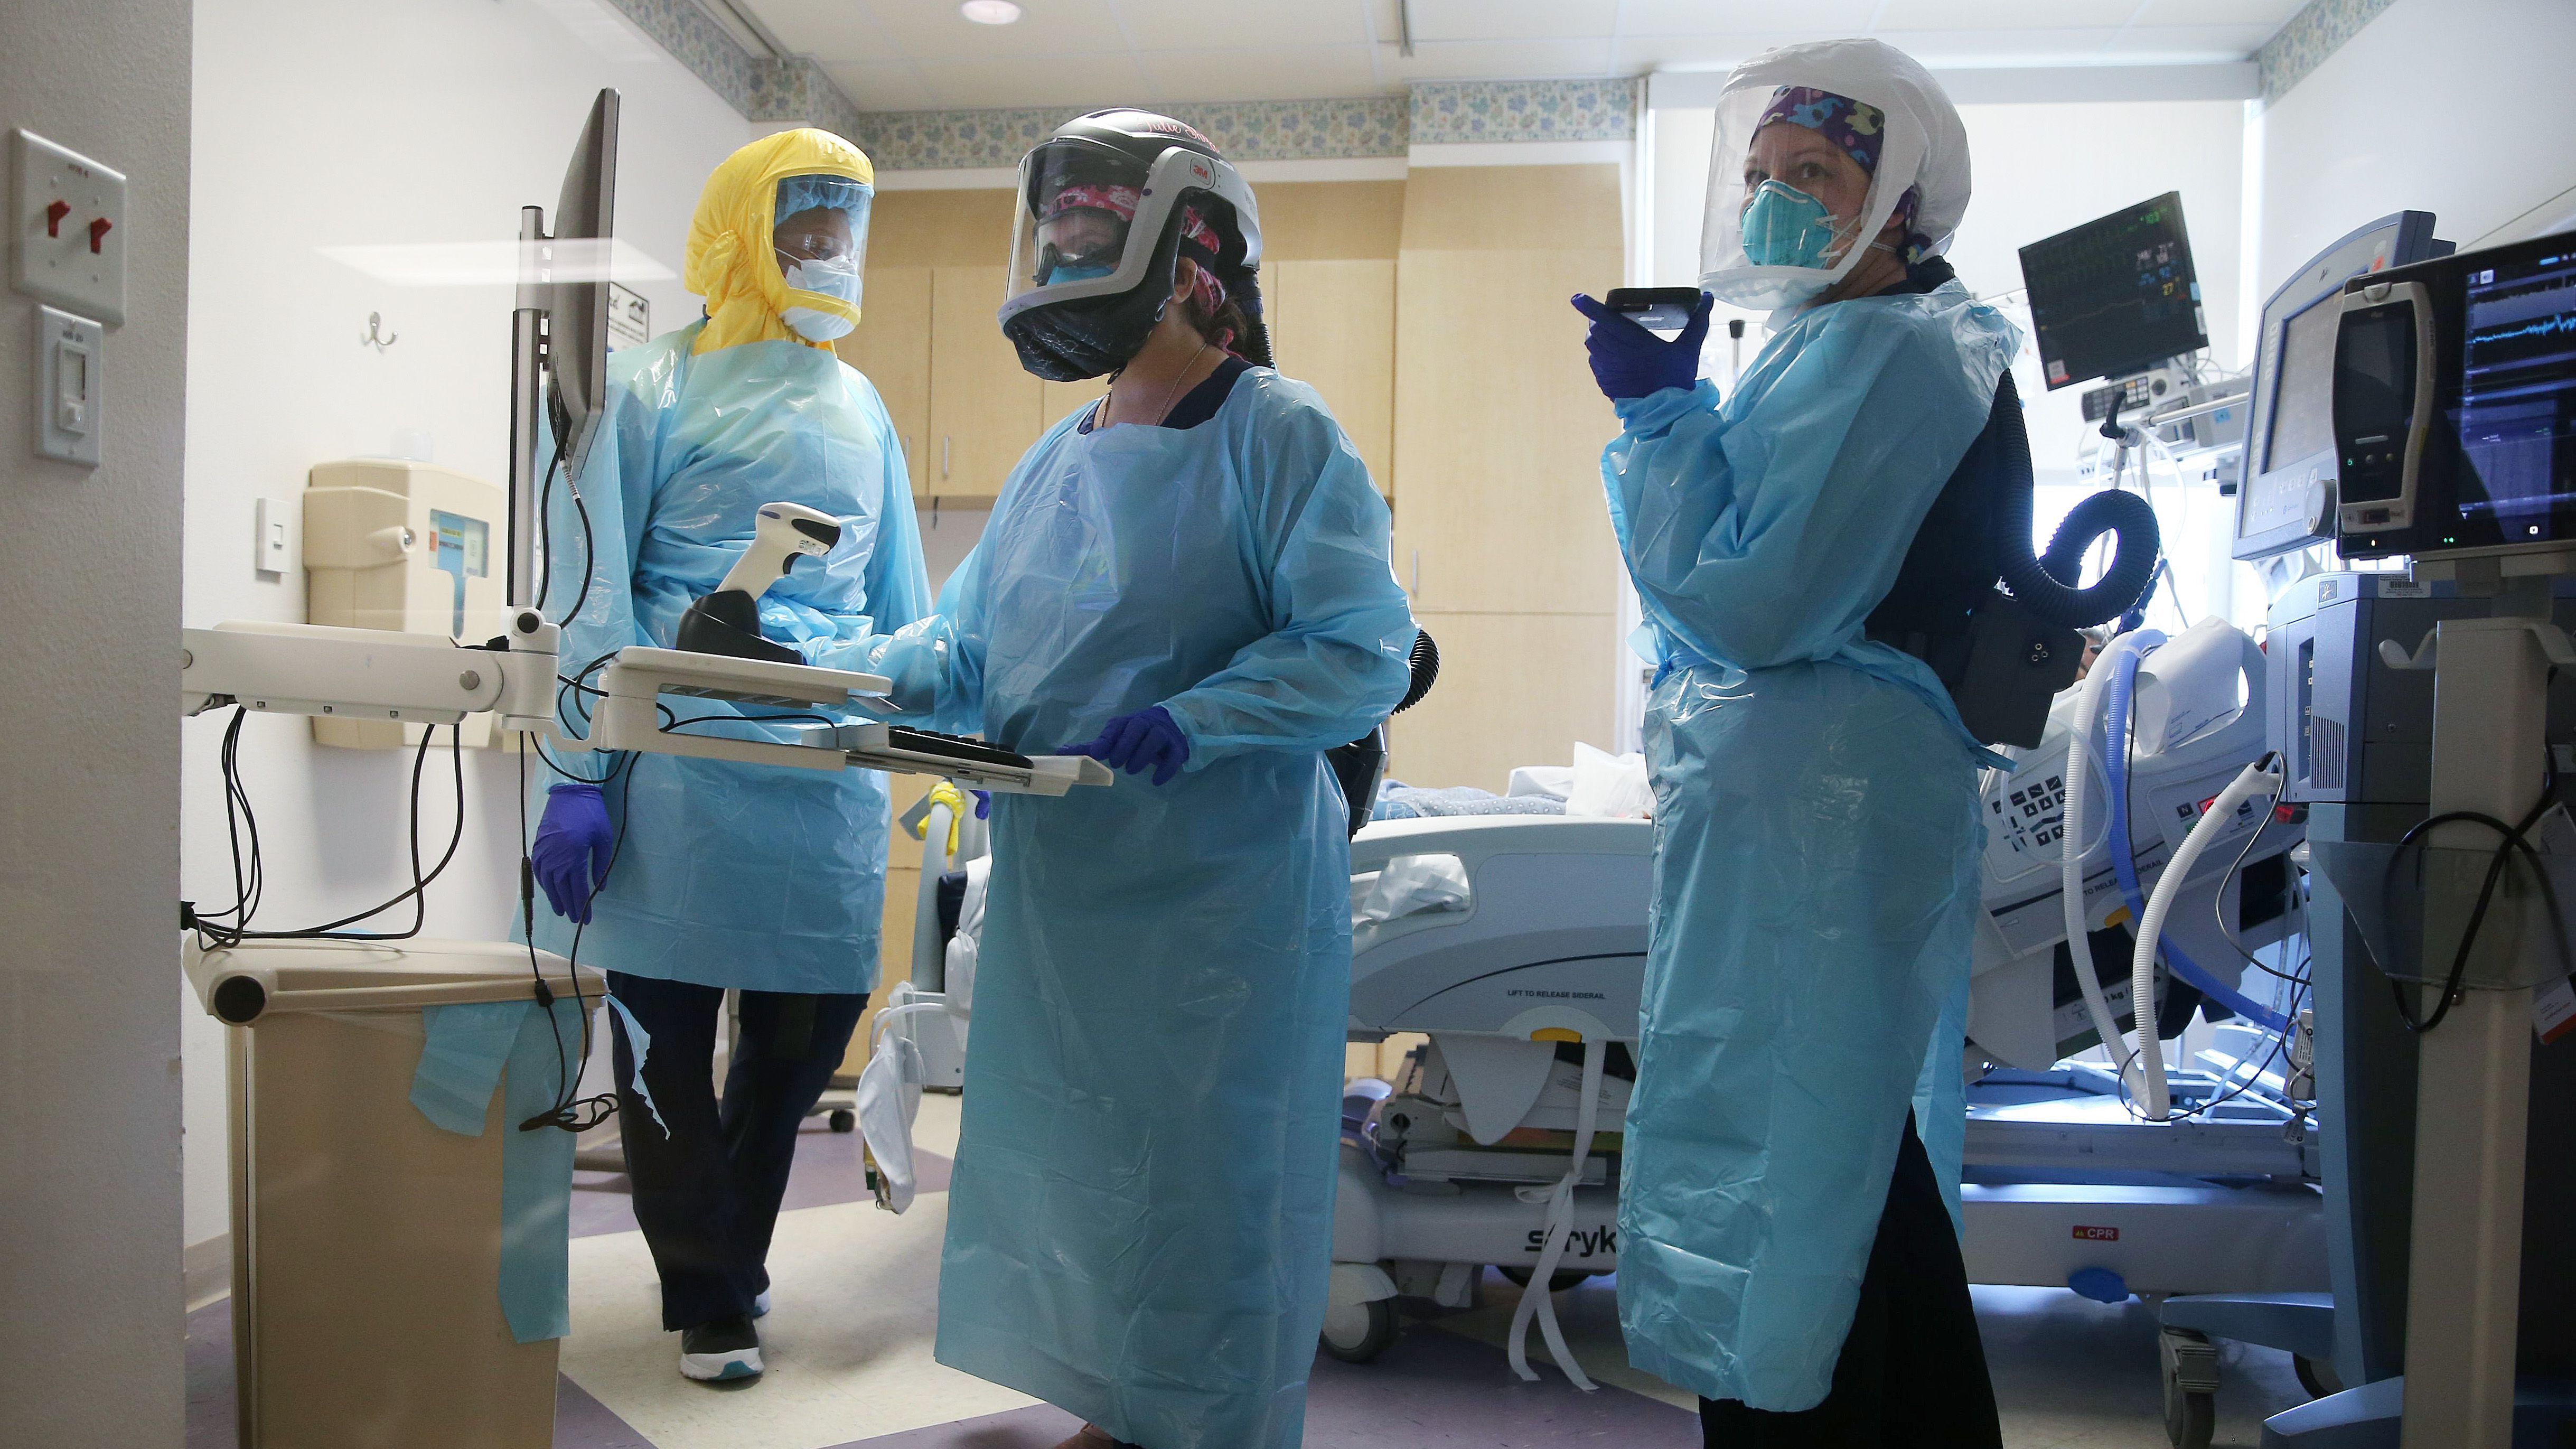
x: 764, y: 880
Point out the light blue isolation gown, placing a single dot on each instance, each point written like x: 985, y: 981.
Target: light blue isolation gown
x: 727, y: 874
x: 1140, y: 1224
x: 1817, y: 835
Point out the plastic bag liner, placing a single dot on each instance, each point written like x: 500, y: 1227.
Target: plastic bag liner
x: 889, y: 1095
x: 2411, y: 911
x: 1412, y: 885
x: 468, y: 1051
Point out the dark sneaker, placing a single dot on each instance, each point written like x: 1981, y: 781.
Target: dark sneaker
x: 728, y: 1348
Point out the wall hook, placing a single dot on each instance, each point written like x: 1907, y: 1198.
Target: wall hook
x: 375, y: 337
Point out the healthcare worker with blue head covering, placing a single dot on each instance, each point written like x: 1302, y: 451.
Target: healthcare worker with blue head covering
x: 1786, y: 1252
x: 1190, y: 580
x: 727, y: 875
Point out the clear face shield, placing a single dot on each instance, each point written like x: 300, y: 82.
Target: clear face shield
x: 1801, y: 182
x: 819, y: 237
x: 1090, y: 218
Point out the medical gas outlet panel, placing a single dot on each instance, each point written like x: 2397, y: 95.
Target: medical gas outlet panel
x: 390, y: 543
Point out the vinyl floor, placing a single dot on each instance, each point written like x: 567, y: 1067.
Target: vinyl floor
x: 848, y: 1349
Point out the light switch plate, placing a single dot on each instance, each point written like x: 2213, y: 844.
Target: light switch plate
x: 70, y: 390
x: 274, y: 544
x: 67, y: 229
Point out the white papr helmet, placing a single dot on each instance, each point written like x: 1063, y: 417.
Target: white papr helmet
x: 1925, y: 147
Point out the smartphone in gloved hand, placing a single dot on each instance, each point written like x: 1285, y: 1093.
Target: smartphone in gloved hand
x: 1657, y: 309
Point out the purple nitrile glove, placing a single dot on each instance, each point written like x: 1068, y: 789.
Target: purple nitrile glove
x: 1149, y: 739
x: 1630, y: 362
x: 572, y: 849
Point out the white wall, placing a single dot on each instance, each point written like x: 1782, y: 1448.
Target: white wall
x: 89, y: 762
x: 2457, y: 107
x: 329, y: 125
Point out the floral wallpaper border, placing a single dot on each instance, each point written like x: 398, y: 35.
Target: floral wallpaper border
x: 1313, y: 130
x: 795, y: 89
x: 1245, y: 131
x: 1539, y: 110
x: 2307, y: 38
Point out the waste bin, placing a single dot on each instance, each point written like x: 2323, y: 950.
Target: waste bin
x: 369, y: 1274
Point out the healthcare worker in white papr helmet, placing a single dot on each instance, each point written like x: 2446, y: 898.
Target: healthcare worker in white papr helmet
x: 1786, y: 1251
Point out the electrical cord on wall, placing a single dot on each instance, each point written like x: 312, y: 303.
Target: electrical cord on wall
x: 231, y: 926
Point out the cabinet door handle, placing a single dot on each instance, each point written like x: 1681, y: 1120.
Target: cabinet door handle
x: 943, y: 455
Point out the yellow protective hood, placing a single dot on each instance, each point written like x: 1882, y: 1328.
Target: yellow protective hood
x: 731, y: 261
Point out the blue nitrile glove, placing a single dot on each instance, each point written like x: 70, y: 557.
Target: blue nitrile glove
x: 571, y: 852
x: 1630, y: 362
x: 983, y: 803
x: 1147, y: 739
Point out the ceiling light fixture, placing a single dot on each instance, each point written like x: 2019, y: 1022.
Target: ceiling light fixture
x: 989, y: 12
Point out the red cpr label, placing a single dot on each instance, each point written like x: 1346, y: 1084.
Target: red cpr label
x: 2096, y: 1235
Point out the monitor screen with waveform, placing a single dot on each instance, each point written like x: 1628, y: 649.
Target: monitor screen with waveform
x: 2116, y: 295
x: 2516, y: 416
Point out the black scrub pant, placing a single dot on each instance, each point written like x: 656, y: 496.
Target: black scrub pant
x: 707, y: 1190
x: 1912, y: 1370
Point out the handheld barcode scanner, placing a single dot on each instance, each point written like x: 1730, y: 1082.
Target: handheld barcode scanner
x: 727, y: 621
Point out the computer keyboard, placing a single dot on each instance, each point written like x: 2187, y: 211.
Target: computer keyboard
x: 954, y: 747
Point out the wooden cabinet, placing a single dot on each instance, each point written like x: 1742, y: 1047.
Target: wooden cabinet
x: 984, y: 407
x: 1515, y: 689
x: 1501, y: 534
x: 1332, y: 326
x: 892, y: 346
x: 1499, y: 436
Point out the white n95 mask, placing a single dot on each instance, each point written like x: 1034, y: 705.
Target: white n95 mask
x: 837, y: 279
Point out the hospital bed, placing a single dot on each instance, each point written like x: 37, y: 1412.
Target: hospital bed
x: 1514, y: 942
x: 1511, y: 940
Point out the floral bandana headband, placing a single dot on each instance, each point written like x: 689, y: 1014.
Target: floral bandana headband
x: 1858, y: 127
x: 1197, y: 237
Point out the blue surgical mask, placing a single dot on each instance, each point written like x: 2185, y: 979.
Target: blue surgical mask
x: 1057, y: 276
x: 1785, y: 227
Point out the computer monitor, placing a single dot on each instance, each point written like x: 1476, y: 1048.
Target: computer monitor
x: 584, y: 227
x: 2455, y: 404
x: 2116, y: 295
x: 559, y: 333
x: 2289, y: 467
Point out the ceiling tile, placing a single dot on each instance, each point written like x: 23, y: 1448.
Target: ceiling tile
x: 2180, y: 44
x: 1093, y: 80
x: 1974, y: 48
x: 827, y: 30
x: 1197, y: 25
x: 1980, y: 15
x: 885, y: 87
x: 1632, y: 54
x: 1470, y: 20
x: 1496, y: 60
x: 1282, y: 73
x: 933, y: 30
x: 2267, y: 13
x: 1701, y: 17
